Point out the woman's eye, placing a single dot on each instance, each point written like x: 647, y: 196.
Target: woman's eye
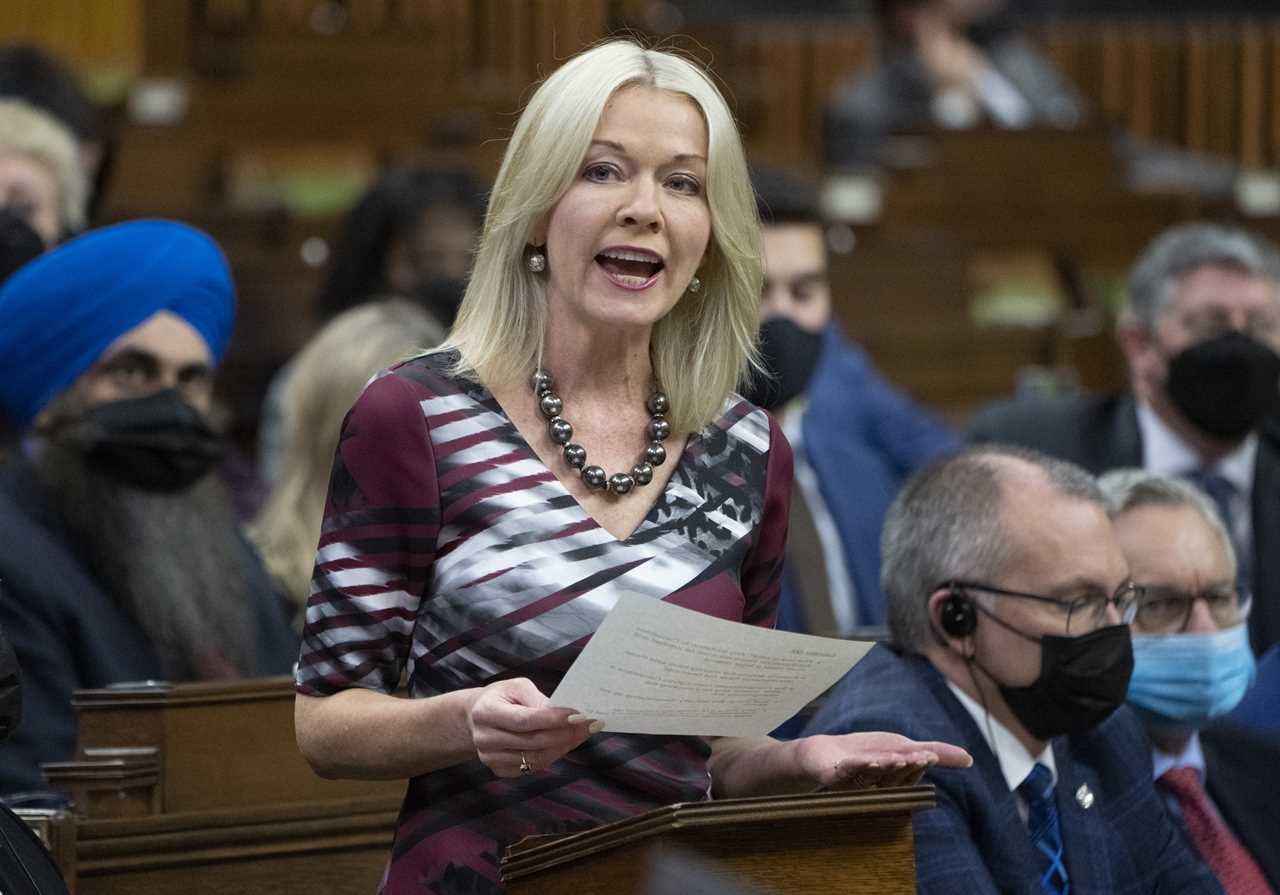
x: 598, y: 173
x: 682, y: 183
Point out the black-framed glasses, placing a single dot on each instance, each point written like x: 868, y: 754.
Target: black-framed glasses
x: 1167, y: 610
x: 1084, y: 613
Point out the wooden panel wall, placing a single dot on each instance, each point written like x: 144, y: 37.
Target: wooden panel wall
x: 294, y: 81
x: 101, y: 33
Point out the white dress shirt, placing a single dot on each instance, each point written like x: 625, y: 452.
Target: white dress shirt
x: 839, y: 583
x: 1014, y: 759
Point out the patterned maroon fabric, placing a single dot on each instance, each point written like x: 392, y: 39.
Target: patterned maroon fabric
x: 1227, y: 858
x: 450, y: 551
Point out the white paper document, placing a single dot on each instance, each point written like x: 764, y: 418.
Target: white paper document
x: 654, y: 667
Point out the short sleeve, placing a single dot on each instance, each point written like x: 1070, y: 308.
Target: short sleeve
x: 762, y: 568
x: 377, y: 544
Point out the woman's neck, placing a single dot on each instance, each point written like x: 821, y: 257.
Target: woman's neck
x: 584, y: 363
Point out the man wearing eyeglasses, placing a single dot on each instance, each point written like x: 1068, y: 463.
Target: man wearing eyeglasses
x: 1201, y: 339
x: 1008, y: 597
x: 1192, y: 665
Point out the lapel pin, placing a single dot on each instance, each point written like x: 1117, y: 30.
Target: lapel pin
x: 1084, y: 796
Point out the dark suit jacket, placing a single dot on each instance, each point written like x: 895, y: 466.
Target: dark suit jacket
x: 895, y: 96
x: 974, y: 841
x: 1100, y: 432
x: 69, y: 634
x: 1242, y: 771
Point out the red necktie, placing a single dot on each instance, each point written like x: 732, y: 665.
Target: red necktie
x: 1231, y: 863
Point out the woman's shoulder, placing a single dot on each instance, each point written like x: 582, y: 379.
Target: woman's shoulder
x: 740, y: 421
x: 417, y: 385
x: 432, y: 374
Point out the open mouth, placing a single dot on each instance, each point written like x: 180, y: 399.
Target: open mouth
x: 630, y: 268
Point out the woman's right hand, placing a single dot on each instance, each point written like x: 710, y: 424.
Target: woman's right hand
x: 509, y: 719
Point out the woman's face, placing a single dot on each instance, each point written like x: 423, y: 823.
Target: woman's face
x: 29, y: 190
x: 625, y: 239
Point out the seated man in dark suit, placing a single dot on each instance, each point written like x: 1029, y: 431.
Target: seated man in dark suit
x: 1200, y: 336
x: 1007, y: 592
x: 120, y: 558
x: 1191, y: 665
x: 856, y: 437
x: 944, y: 63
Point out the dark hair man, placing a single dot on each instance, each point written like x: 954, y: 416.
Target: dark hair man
x: 856, y: 437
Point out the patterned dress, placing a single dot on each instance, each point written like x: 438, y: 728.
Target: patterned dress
x: 449, y: 550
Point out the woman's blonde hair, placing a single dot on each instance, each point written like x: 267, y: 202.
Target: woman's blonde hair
x: 704, y: 346
x: 324, y: 381
x: 26, y: 130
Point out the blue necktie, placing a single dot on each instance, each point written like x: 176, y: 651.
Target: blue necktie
x: 1042, y: 824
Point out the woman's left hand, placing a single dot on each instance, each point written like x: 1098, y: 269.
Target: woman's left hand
x: 757, y: 766
x: 868, y: 760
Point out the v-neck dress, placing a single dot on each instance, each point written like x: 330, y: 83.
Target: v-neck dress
x: 450, y: 552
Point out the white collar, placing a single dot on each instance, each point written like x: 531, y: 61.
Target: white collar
x: 1164, y: 452
x: 1190, y: 757
x: 1014, y: 759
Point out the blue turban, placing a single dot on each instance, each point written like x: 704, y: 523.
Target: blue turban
x: 61, y: 311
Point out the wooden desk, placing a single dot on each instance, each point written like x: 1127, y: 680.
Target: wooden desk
x: 793, y: 844
x: 201, y: 789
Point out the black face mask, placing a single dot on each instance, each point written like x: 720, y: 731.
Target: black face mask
x: 10, y: 689
x: 156, y: 443
x: 1224, y: 385
x: 790, y: 355
x: 1082, y: 680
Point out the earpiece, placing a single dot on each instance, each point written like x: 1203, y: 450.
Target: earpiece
x: 957, y: 615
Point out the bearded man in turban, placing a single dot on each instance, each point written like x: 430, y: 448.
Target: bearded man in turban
x: 120, y: 557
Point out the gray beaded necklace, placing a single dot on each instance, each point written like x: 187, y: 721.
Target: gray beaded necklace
x: 659, y: 429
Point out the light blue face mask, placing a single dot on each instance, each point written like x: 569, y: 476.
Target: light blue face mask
x: 1182, y: 681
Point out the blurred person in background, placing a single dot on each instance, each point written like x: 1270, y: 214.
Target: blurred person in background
x: 26, y: 867
x: 856, y: 437
x: 949, y: 64
x: 41, y: 181
x: 1201, y: 338
x: 30, y: 74
x: 959, y: 64
x: 1191, y: 666
x: 412, y: 234
x: 326, y: 377
x: 122, y: 559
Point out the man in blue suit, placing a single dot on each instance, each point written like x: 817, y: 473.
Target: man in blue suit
x: 1007, y: 595
x: 856, y: 437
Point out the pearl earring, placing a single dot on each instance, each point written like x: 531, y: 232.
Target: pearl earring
x: 537, y: 261
x: 695, y: 285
